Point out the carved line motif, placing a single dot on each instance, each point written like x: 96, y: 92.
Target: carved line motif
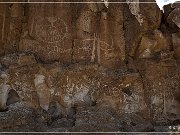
x: 89, y: 46
x: 51, y: 29
x: 52, y: 51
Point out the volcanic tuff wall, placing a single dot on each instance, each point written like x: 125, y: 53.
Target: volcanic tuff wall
x: 74, y: 54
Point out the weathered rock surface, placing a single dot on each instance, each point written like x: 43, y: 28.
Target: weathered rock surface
x: 11, y: 24
x: 89, y: 67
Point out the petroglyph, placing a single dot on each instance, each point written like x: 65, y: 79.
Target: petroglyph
x: 51, y: 29
x: 54, y: 51
x: 95, y: 48
x: 35, y: 47
x: 86, y: 46
x: 106, y: 49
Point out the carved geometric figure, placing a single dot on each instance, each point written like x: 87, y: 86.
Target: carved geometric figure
x: 96, y: 50
x: 83, y: 50
x: 51, y: 29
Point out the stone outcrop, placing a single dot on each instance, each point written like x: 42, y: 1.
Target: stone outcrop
x: 89, y: 67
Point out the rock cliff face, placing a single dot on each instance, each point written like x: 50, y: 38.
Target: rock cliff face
x: 89, y: 67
